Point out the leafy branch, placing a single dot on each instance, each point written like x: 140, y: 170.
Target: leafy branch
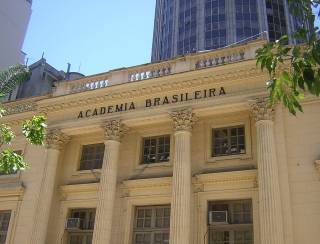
x: 293, y: 70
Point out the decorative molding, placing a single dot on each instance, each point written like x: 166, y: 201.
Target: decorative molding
x: 55, y: 139
x: 21, y: 108
x: 261, y: 109
x: 114, y: 130
x: 183, y: 119
x: 317, y: 165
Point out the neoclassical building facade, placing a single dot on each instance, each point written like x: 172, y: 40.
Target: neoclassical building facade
x: 185, y: 151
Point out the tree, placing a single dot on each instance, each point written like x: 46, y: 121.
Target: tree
x: 294, y: 70
x: 33, y: 129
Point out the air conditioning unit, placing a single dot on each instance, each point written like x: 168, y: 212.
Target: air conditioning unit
x: 73, y: 224
x: 218, y: 217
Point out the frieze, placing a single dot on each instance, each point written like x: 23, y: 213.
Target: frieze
x: 153, y: 102
x: 152, y: 89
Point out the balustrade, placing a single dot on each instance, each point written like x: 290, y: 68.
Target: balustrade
x: 149, y: 73
x: 225, y: 58
x: 87, y: 85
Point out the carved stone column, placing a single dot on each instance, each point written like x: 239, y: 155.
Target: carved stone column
x: 271, y: 220
x: 180, y: 220
x: 55, y: 140
x: 108, y: 182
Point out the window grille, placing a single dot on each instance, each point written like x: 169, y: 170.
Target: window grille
x: 152, y: 225
x: 228, y: 141
x: 92, y: 156
x: 238, y: 230
x: 4, y: 225
x: 156, y: 149
x: 84, y: 234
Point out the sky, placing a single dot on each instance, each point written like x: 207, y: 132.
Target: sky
x: 94, y: 36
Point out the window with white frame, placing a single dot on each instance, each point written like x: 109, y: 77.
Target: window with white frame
x: 151, y: 225
x: 4, y: 225
x: 92, y: 156
x: 230, y: 222
x: 228, y: 141
x: 156, y: 149
x: 80, y: 226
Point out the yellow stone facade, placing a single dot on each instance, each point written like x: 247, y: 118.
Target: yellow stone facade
x: 185, y: 98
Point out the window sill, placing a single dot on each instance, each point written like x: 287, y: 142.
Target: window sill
x: 231, y: 157
x: 154, y: 165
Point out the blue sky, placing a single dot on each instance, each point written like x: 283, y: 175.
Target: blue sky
x: 95, y: 36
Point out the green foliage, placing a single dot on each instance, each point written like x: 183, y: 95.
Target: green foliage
x: 12, y: 77
x: 294, y: 69
x: 11, y: 162
x: 34, y: 129
x: 6, y: 134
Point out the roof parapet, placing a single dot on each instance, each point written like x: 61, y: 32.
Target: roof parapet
x: 189, y: 62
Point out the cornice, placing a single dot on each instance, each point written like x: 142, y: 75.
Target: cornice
x: 11, y: 189
x: 146, y: 88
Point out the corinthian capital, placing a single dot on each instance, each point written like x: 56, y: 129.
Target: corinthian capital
x: 183, y: 119
x: 261, y: 109
x: 55, y: 139
x: 114, y: 130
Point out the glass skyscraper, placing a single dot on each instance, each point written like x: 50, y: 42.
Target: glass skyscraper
x: 185, y: 26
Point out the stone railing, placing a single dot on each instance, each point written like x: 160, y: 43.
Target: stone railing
x: 148, y: 72
x: 81, y: 85
x: 215, y: 59
x: 190, y: 62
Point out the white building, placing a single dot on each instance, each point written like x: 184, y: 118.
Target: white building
x: 14, y: 19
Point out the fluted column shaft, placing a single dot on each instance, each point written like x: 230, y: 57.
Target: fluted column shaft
x: 55, y: 141
x: 108, y: 185
x: 180, y: 219
x: 271, y: 220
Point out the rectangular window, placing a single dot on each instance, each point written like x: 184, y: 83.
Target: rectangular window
x: 238, y: 226
x: 156, y: 149
x: 92, y: 156
x: 152, y: 225
x: 80, y: 226
x: 4, y: 225
x: 228, y: 141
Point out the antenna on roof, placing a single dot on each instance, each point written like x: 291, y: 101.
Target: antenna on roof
x: 42, y: 55
x: 27, y: 62
x: 79, y: 67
